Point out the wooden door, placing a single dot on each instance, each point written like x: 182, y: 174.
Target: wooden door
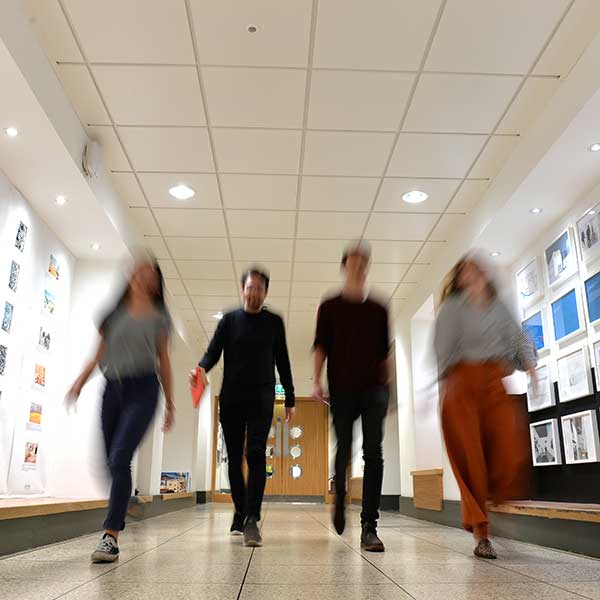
x: 275, y: 475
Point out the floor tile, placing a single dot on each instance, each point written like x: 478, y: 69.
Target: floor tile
x: 473, y: 572
x: 139, y: 571
x: 589, y: 571
x: 33, y: 589
x: 588, y: 589
x: 488, y: 591
x: 323, y: 592
x: 316, y: 574
x: 61, y: 571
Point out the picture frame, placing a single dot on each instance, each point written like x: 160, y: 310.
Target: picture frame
x: 596, y: 352
x: 39, y: 376
x: 535, y: 328
x: 545, y: 443
x: 574, y: 375
x: 567, y: 315
x: 3, y: 357
x: 529, y: 284
x: 560, y: 259
x: 21, y: 237
x: 44, y: 339
x: 7, y: 317
x: 544, y: 397
x: 581, y: 441
x: 13, y: 277
x: 54, y: 267
x: 591, y: 287
x: 49, y: 303
x: 588, y: 235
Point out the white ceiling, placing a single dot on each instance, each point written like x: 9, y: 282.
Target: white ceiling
x: 307, y: 133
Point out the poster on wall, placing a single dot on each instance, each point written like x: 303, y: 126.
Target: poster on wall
x: 3, y: 353
x: 21, y: 236
x: 588, y: 233
x: 534, y: 328
x: 574, y: 376
x: 545, y: 444
x: 566, y: 316
x: 31, y: 455
x: 580, y: 437
x: 592, y: 298
x: 49, y: 303
x: 44, y: 340
x: 13, y: 278
x: 541, y: 396
x: 529, y: 283
x: 561, y: 260
x: 174, y: 483
x: 54, y: 267
x: 7, y: 318
x: 35, y: 417
x: 39, y: 377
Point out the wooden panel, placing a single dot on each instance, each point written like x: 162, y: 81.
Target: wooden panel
x: 428, y: 490
x: 47, y: 506
x: 179, y: 496
x: 275, y: 481
x: 589, y: 513
x: 356, y: 489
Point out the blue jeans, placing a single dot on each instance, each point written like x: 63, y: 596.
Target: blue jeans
x: 128, y: 407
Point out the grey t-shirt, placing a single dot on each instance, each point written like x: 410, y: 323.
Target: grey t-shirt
x: 131, y: 344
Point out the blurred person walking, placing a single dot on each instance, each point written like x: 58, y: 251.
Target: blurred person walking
x: 133, y: 355
x: 478, y: 343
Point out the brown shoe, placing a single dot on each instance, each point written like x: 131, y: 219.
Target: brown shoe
x: 485, y: 550
x: 369, y: 540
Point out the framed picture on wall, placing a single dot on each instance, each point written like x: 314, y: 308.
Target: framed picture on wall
x: 8, y: 316
x: 541, y: 396
x: 3, y: 354
x: 561, y: 259
x: 529, y: 284
x: 49, y: 302
x: 574, y: 376
x: 54, y: 267
x: 596, y: 347
x: 21, y: 236
x: 592, y: 298
x: 13, y: 278
x: 44, y: 340
x: 588, y: 234
x: 39, y: 376
x: 580, y: 437
x: 567, y: 316
x: 545, y: 443
x: 534, y: 328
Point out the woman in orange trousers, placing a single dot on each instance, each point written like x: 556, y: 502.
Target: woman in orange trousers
x: 477, y: 344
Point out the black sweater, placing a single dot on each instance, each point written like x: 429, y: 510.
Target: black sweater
x: 253, y: 344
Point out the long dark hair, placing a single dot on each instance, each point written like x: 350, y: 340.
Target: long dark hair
x: 158, y: 300
x: 451, y: 284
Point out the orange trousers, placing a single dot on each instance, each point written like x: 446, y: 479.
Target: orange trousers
x: 486, y: 437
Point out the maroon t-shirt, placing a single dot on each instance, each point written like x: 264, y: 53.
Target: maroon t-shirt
x: 355, y: 338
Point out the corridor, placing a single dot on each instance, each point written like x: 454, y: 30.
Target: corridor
x: 189, y: 555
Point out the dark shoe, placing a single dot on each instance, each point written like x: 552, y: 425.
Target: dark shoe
x: 237, y: 527
x: 252, y: 537
x: 107, y: 550
x: 339, y: 516
x: 369, y: 540
x: 485, y: 550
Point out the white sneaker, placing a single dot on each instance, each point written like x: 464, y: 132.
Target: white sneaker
x: 107, y: 550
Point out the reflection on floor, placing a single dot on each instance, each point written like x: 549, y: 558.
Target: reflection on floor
x: 189, y: 555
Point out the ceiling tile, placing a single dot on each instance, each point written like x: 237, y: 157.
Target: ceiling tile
x: 271, y: 97
x: 278, y: 271
x: 387, y: 272
x: 346, y: 153
x: 358, y: 100
x: 404, y: 290
x: 417, y: 273
x: 279, y: 288
x: 175, y: 287
x: 382, y: 291
x: 181, y: 302
x: 261, y: 223
x: 309, y: 305
x: 494, y: 156
x: 191, y: 222
x: 528, y: 104
x: 176, y: 149
x: 327, y: 272
x: 168, y: 268
x: 316, y: 289
x: 206, y: 269
x: 338, y: 193
x: 448, y: 227
x: 429, y: 155
x: 394, y: 252
x: 320, y: 250
x: 336, y: 225
x: 52, y: 30
x: 216, y: 303
x: 430, y: 252
x: 400, y: 226
x: 151, y: 95
x: 127, y: 188
x: 259, y: 191
x: 493, y: 37
x: 199, y: 248
x: 157, y: 246
x: 468, y: 196
x: 142, y: 217
x: 112, y: 153
x: 157, y: 185
x: 150, y: 32
x: 82, y: 93
x: 281, y: 40
x: 382, y: 34
x: 262, y: 250
x: 440, y: 192
x: 257, y: 151
x: 277, y: 305
x: 460, y: 103
x: 211, y: 287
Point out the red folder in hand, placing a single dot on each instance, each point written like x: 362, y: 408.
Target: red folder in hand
x: 200, y: 387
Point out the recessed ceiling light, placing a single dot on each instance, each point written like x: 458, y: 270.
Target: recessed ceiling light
x: 252, y: 29
x: 182, y: 192
x: 535, y: 211
x: 595, y: 147
x: 60, y: 200
x: 495, y: 254
x: 11, y: 131
x: 95, y: 246
x: 218, y: 316
x: 415, y: 197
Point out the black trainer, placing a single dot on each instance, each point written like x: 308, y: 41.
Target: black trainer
x: 339, y: 516
x: 107, y: 550
x: 237, y: 527
x: 369, y: 540
x: 252, y: 534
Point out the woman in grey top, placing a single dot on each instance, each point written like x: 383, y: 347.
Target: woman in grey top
x: 477, y: 343
x: 134, y: 347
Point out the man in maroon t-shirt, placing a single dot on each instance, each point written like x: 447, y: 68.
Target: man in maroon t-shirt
x: 352, y: 334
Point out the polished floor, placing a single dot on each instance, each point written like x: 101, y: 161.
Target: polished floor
x: 189, y: 555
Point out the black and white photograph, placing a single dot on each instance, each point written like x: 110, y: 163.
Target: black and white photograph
x: 580, y: 437
x: 44, y: 339
x: 529, y: 284
x: 13, y: 279
x: 561, y: 260
x: 3, y: 353
x: 21, y: 236
x: 545, y: 444
x: 8, y: 316
x: 588, y: 232
x: 574, y: 376
x: 542, y: 395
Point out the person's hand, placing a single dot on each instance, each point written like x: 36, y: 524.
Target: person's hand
x: 72, y: 396
x: 290, y: 411
x: 169, y: 418
x: 193, y: 379
x: 318, y: 394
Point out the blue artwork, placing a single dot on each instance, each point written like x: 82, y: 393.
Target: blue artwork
x: 565, y: 315
x: 534, y: 328
x: 592, y: 294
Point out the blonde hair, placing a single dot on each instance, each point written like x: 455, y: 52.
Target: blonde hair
x: 451, y: 285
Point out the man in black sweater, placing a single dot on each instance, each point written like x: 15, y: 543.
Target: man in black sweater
x: 253, y: 342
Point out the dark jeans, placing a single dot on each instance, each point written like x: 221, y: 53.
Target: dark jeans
x: 246, y: 416
x: 371, y: 405
x: 128, y: 407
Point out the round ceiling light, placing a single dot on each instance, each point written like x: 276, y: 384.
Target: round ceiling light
x: 495, y: 254
x: 415, y: 197
x: 218, y: 316
x: 182, y: 192
x: 95, y: 246
x: 595, y: 147
x: 535, y: 211
x: 11, y: 132
x: 60, y: 200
